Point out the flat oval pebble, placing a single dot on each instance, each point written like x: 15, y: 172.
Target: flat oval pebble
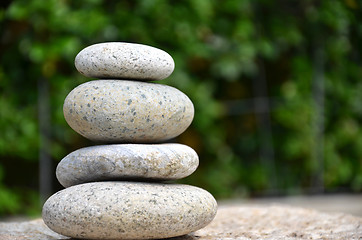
x: 127, y: 111
x: 124, y: 61
x: 128, y: 210
x: 127, y: 161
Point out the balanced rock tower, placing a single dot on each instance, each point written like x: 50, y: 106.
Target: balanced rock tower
x: 118, y: 190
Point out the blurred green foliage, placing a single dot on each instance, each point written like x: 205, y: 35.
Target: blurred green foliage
x: 220, y: 48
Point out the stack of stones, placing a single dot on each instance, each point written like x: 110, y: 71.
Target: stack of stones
x: 119, y: 190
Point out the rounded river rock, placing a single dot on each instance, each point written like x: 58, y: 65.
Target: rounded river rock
x: 127, y: 161
x: 128, y: 210
x: 124, y: 61
x: 127, y: 111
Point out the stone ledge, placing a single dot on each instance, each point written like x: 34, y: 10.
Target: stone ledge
x: 236, y: 222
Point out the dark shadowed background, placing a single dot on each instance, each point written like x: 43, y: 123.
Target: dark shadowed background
x: 276, y: 86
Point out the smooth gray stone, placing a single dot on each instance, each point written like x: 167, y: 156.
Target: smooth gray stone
x: 127, y: 161
x: 124, y: 61
x: 128, y: 210
x: 127, y: 111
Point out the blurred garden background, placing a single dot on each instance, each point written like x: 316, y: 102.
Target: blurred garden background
x: 276, y: 86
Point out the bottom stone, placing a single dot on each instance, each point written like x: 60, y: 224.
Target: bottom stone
x: 128, y: 210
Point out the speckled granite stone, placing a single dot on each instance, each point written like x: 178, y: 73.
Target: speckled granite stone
x: 128, y: 210
x: 127, y: 111
x: 124, y: 61
x: 127, y: 161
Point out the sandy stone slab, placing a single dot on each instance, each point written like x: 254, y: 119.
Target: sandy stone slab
x: 280, y: 222
x: 29, y: 230
x: 127, y: 111
x: 236, y: 222
x: 128, y: 210
x: 167, y: 161
x: 122, y: 60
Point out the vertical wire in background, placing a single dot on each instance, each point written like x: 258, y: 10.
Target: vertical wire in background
x: 263, y: 114
x: 45, y: 165
x: 318, y: 95
x: 263, y: 120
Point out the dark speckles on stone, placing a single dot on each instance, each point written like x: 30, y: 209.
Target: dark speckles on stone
x: 153, y: 201
x: 129, y: 102
x: 143, y: 96
x: 88, y: 104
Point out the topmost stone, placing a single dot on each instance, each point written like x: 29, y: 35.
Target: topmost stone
x: 119, y: 60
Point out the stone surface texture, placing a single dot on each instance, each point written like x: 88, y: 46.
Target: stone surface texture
x: 124, y: 61
x: 127, y: 161
x: 236, y: 222
x: 128, y: 210
x: 127, y: 111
